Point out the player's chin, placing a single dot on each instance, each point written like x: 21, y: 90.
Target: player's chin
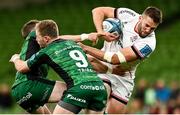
x: 42, y: 46
x: 143, y: 35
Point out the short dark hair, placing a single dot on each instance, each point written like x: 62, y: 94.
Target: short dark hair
x: 28, y: 27
x: 154, y: 13
x: 48, y: 28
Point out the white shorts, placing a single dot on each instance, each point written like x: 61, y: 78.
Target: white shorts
x: 121, y: 87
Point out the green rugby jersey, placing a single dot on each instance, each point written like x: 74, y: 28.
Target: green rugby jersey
x: 69, y: 61
x: 30, y: 47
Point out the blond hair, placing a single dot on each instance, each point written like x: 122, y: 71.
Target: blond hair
x: 48, y: 28
x: 28, y: 27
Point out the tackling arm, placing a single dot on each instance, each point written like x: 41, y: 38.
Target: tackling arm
x: 124, y: 55
x: 101, y: 67
x: 97, y: 64
x: 78, y: 38
x: 20, y: 65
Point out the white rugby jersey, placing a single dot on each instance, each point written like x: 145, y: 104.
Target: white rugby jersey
x: 143, y: 47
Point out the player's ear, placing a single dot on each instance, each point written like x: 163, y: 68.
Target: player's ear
x: 46, y: 39
x: 140, y: 17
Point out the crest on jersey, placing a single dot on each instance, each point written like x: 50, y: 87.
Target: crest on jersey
x: 146, y: 50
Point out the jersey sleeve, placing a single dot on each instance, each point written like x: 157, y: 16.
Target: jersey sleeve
x: 32, y: 48
x: 144, y: 47
x: 36, y: 60
x: 125, y: 14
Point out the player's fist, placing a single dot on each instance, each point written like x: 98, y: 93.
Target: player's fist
x: 108, y: 36
x: 14, y: 57
x: 93, y: 37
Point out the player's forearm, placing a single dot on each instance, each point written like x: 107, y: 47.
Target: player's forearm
x: 21, y: 66
x: 94, y: 52
x: 103, y: 67
x: 98, y: 17
x: 101, y: 54
x: 75, y: 38
x: 98, y: 66
x: 78, y: 38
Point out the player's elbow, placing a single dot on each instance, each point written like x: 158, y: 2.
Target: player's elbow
x: 22, y: 69
x: 94, y: 10
x: 97, y: 9
x: 115, y: 60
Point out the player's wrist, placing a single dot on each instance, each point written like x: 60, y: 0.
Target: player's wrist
x: 100, y: 31
x: 14, y: 58
x: 109, y: 69
x: 108, y: 56
x: 84, y: 36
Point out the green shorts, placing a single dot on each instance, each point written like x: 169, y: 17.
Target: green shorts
x: 32, y: 94
x: 90, y: 95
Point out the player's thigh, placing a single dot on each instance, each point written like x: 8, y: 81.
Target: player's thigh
x: 108, y: 89
x: 57, y: 92
x: 97, y: 97
x: 91, y: 95
x: 87, y: 111
x: 60, y: 110
x: 32, y: 94
x: 39, y: 110
x: 121, y: 87
x: 115, y: 107
x: 42, y: 110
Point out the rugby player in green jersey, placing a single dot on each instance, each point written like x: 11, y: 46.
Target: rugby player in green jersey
x: 32, y: 90
x: 84, y: 88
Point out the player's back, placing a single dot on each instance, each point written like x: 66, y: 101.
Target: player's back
x: 30, y: 47
x: 70, y: 62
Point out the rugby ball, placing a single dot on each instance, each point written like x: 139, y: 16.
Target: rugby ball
x: 112, y: 25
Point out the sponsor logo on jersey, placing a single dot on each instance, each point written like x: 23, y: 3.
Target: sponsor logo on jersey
x: 128, y: 12
x: 146, y: 50
x: 89, y: 87
x: 85, y: 70
x: 66, y: 48
x: 76, y: 98
x: 45, y: 94
x: 134, y: 38
x: 25, y: 98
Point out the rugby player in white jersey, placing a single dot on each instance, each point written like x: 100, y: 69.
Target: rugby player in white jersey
x: 124, y: 54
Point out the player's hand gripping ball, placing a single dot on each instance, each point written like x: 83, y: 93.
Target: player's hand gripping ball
x: 113, y: 25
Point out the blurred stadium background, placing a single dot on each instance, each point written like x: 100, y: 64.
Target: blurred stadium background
x: 74, y: 17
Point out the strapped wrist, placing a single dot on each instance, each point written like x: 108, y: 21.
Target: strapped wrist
x: 84, y: 36
x: 110, y: 69
x: 108, y: 56
x: 14, y: 58
x: 121, y: 57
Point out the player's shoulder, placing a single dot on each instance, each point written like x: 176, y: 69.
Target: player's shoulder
x: 126, y: 14
x: 126, y: 11
x: 31, y: 35
x: 150, y: 40
x: 151, y: 37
